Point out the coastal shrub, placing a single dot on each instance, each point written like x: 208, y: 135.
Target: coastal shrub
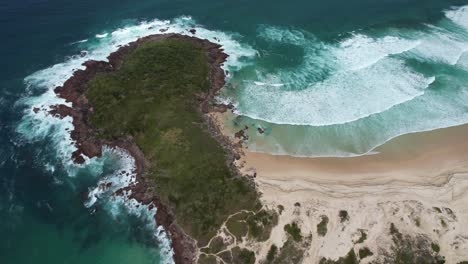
x: 322, y: 226
x: 294, y: 231
x: 280, y: 209
x: 292, y: 251
x: 152, y: 98
x: 435, y: 247
x: 272, y: 253
x: 365, y: 252
x: 242, y: 256
x: 207, y: 259
x: 350, y: 258
x: 409, y: 249
x: 344, y: 216
x: 261, y: 223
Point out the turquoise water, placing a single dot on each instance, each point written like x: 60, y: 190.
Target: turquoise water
x: 324, y: 78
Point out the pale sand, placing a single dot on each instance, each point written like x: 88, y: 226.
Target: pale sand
x: 410, y: 175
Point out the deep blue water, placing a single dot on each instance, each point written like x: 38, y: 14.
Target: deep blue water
x: 42, y: 216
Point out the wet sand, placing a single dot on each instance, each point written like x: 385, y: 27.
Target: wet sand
x: 425, y: 158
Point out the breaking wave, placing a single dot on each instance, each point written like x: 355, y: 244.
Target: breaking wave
x: 348, y: 96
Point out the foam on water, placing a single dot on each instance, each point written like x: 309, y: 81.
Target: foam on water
x: 361, y: 78
x: 361, y: 51
x: 123, y: 176
x: 459, y: 16
x: 381, y: 87
x: 38, y: 124
x: 348, y: 97
x: 441, y: 46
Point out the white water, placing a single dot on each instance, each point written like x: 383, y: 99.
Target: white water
x: 348, y: 97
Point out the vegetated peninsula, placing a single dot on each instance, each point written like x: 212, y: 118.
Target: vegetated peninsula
x: 150, y: 99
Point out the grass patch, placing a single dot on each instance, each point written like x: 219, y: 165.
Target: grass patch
x: 294, y: 231
x: 152, y: 98
x: 322, y: 226
x: 237, y: 225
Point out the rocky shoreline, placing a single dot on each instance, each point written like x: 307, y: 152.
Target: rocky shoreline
x: 90, y: 145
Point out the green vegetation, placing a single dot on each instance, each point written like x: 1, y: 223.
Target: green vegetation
x: 292, y: 251
x: 257, y: 225
x: 205, y: 259
x: 261, y: 223
x: 350, y: 258
x: 322, y: 226
x: 272, y: 253
x: 365, y: 252
x: 226, y: 256
x: 242, y: 256
x: 237, y: 225
x: 216, y: 245
x: 407, y: 249
x: 435, y: 247
x: 293, y: 230
x: 152, y: 99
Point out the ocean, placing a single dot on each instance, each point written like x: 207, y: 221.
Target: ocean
x: 323, y: 78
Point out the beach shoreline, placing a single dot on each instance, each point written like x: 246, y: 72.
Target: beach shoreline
x: 420, y: 171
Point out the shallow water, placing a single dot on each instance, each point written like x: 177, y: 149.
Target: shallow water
x: 332, y: 78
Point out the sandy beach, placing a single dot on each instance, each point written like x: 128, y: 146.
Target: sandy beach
x: 402, y: 183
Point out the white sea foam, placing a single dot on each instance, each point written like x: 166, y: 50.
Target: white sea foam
x: 441, y: 45
x: 101, y: 35
x: 361, y: 51
x: 459, y: 16
x: 120, y: 203
x: 345, y: 97
x: 79, y: 41
x: 121, y: 177
x: 355, y: 78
